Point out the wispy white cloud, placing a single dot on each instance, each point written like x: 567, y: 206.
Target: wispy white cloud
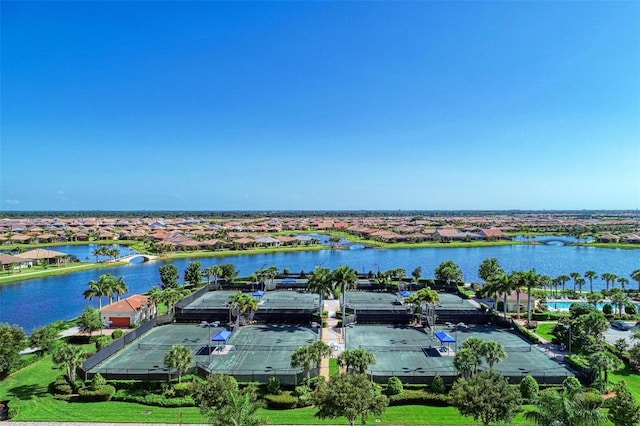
x: 12, y: 201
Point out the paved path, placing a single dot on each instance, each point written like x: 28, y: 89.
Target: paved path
x: 331, y: 335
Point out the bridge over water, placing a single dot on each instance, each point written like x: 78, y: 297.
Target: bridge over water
x: 128, y: 258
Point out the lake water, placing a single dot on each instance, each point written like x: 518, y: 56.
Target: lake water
x: 37, y: 302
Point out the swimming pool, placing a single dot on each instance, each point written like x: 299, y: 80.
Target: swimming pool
x: 566, y: 304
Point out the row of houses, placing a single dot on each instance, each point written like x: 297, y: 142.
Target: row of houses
x: 32, y: 257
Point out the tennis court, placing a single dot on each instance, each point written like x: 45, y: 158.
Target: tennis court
x: 372, y: 307
x: 218, y: 299
x: 144, y: 357
x: 415, y: 356
x: 289, y: 300
x: 257, y: 352
x: 372, y: 300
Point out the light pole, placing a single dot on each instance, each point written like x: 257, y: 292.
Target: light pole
x: 455, y: 330
x: 568, y: 327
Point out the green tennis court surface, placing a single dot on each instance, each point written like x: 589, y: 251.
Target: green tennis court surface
x: 251, y: 353
x: 415, y: 356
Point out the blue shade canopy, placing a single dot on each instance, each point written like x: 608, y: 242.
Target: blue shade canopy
x: 405, y: 293
x: 222, y: 336
x: 258, y: 293
x: 444, y: 337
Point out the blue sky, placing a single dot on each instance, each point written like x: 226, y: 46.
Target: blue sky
x: 320, y: 105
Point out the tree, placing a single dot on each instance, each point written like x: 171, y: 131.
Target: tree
x: 320, y: 281
x: 343, y: 278
x: 492, y: 352
x: 487, y: 397
x: 319, y: 350
x: 180, y: 358
x: 449, y: 271
x: 635, y: 275
x: 602, y: 363
x: 529, y: 388
x: 575, y: 276
x: 489, y: 268
x: 119, y: 287
x: 213, y: 392
x: 466, y: 362
x: 239, y: 409
x: 358, y: 360
x: 303, y: 358
x: 227, y: 271
x: 44, y: 338
x: 68, y: 357
x: 90, y: 320
x: 169, y: 276
x: 242, y: 303
x: 501, y: 284
x: 623, y: 282
x: 349, y: 395
x: 333, y: 240
x: 193, y: 273
x: 208, y: 273
x: 530, y: 280
x: 623, y: 410
x: 13, y: 340
x: 417, y: 273
x: 574, y: 408
x: 618, y: 299
x: 100, y: 288
x: 591, y: 275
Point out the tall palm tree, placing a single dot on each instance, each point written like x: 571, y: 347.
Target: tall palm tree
x: 613, y: 278
x: 466, y: 362
x: 580, y: 282
x: 180, y: 358
x: 563, y: 280
x: 358, y: 360
x: 530, y: 280
x: 492, y: 352
x: 502, y: 284
x: 69, y: 357
x: 119, y: 287
x: 565, y: 409
x: 303, y: 358
x: 517, y: 278
x: 606, y: 276
x: 320, y: 282
x: 489, y: 268
x: 591, y: 275
x: 100, y: 288
x: 623, y: 282
x: 344, y: 278
x: 603, y: 362
x: 575, y: 276
x: 635, y: 275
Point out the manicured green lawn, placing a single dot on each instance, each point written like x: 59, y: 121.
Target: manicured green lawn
x: 544, y: 330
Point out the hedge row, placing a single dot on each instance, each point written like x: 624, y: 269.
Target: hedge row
x: 419, y: 397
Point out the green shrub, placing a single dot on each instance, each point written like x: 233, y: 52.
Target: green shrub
x: 437, y: 385
x: 419, y: 397
x: 282, y: 401
x: 304, y: 395
x: 102, y: 342
x: 607, y: 309
x: 182, y: 389
x: 98, y: 382
x: 117, y: 333
x: 273, y: 385
x: 571, y: 385
x: 630, y: 309
x: 529, y: 388
x: 14, y: 409
x: 325, y: 313
x: 61, y: 386
x: 105, y: 393
x: 147, y: 398
x: 394, y: 386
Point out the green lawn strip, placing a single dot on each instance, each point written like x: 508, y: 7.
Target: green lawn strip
x: 53, y: 270
x: 544, y: 330
x: 631, y: 378
x: 334, y: 368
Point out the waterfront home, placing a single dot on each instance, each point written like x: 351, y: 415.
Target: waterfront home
x: 128, y: 312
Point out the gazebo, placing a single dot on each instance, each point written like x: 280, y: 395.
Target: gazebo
x: 444, y: 337
x: 221, y: 339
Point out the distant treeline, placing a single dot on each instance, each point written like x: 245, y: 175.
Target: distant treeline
x: 248, y: 214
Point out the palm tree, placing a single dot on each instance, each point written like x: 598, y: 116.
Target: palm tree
x: 489, y: 268
x: 239, y: 409
x: 303, y: 358
x: 531, y: 280
x: 180, y: 358
x: 591, y: 275
x: 492, y: 352
x: 119, y: 287
x: 603, y: 362
x: 517, y: 278
x: 563, y: 280
x: 320, y: 281
x: 208, y: 273
x: 100, y: 288
x: 502, y: 284
x: 606, y: 276
x: 575, y: 276
x: 618, y: 298
x: 69, y: 357
x: 400, y: 273
x: 417, y: 273
x: 613, y: 278
x: 580, y: 282
x: 156, y: 296
x: 623, y: 282
x: 358, y: 360
x: 635, y: 275
x: 319, y: 350
x: 565, y: 409
x: 344, y: 278
x: 466, y: 362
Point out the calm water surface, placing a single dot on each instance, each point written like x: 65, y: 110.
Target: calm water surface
x: 37, y: 302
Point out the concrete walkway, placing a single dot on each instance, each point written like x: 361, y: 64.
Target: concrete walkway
x: 331, y: 335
